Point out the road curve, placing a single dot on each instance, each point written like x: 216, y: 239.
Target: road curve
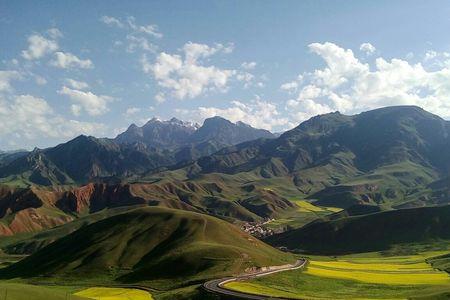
x: 216, y: 286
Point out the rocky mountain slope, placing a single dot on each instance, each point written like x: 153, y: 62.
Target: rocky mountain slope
x: 138, y: 150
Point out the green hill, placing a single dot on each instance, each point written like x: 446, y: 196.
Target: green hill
x: 372, y: 232
x: 155, y: 246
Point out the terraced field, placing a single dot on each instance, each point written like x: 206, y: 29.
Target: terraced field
x: 355, y: 277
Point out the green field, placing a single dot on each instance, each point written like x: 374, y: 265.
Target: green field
x: 363, y: 276
x: 20, y: 291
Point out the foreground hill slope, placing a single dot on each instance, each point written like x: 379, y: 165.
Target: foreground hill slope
x: 372, y: 232
x: 149, y: 244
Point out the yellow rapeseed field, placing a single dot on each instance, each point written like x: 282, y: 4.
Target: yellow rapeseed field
x: 103, y: 293
x: 412, y: 278
x: 305, y: 206
x: 407, y: 270
x: 394, y: 267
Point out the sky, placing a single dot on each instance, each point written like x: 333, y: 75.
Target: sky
x: 94, y: 67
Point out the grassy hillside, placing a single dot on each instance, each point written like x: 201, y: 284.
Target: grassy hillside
x: 156, y: 246
x: 29, y: 243
x: 374, y: 232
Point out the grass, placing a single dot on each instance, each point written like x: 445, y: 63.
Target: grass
x: 103, y: 293
x: 20, y: 291
x: 362, y: 276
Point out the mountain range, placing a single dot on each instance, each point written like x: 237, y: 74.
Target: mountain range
x: 388, y: 158
x: 135, y: 151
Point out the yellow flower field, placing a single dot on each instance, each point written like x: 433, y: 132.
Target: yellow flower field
x: 103, y: 293
x: 305, y: 206
x: 399, y: 278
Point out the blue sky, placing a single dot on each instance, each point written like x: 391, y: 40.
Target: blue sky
x: 94, y: 67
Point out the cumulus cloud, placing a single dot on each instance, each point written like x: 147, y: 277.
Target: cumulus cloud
x: 348, y: 85
x: 93, y: 104
x: 132, y: 111
x: 5, y: 79
x: 111, y: 21
x: 40, y: 80
x: 54, y: 33
x: 138, y: 35
x: 39, y: 46
x: 289, y: 86
x: 78, y: 85
x: 66, y: 60
x: 367, y: 48
x: 257, y: 113
x: 248, y: 65
x: 25, y: 117
x: 187, y: 76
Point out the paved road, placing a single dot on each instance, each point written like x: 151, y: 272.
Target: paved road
x: 217, y: 286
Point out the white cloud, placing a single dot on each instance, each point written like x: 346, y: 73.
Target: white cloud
x: 150, y: 29
x: 187, y: 77
x: 54, y: 33
x: 111, y: 21
x: 348, y: 85
x: 39, y: 46
x: 367, y: 48
x: 5, y: 79
x: 137, y: 37
x: 135, y: 42
x: 40, y: 80
x: 245, y: 77
x: 31, y: 118
x: 132, y: 111
x: 248, y: 65
x: 160, y: 97
x: 65, y: 60
x: 75, y: 84
x: 289, y: 86
x: 257, y: 113
x: 93, y: 104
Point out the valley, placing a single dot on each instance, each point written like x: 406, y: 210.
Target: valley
x: 131, y: 218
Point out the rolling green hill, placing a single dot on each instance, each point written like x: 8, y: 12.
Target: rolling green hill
x: 372, y: 232
x: 155, y: 246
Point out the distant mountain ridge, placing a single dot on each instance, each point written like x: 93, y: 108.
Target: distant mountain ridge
x: 137, y: 150
x: 174, y: 133
x: 161, y: 134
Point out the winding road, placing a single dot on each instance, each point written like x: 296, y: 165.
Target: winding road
x: 216, y: 286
